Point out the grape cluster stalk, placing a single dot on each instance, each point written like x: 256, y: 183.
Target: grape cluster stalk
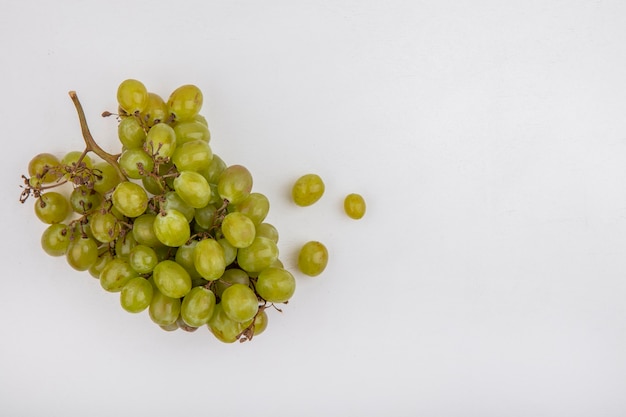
x: 166, y: 223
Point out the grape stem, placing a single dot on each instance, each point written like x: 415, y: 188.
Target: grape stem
x: 90, y: 143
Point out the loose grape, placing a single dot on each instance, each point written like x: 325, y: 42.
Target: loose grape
x: 132, y: 96
x: 172, y: 228
x: 197, y: 307
x: 161, y: 141
x: 82, y: 253
x: 208, y: 258
x: 238, y: 229
x: 185, y: 102
x: 115, y: 274
x: 171, y: 279
x: 307, y: 189
x: 313, y: 258
x: 239, y: 303
x: 136, y: 295
x: 164, y: 310
x: 235, y: 183
x: 52, y: 207
x: 354, y: 206
x: 258, y: 256
x: 193, y: 188
x: 143, y: 259
x: 55, y: 239
x: 130, y: 199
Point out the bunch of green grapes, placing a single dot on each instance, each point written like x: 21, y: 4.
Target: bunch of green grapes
x: 166, y: 224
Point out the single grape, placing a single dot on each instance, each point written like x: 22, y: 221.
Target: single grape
x: 258, y: 256
x: 191, y: 131
x: 238, y: 229
x: 71, y: 159
x: 235, y: 183
x: 132, y: 96
x: 143, y: 259
x: 136, y: 295
x: 275, y: 285
x: 153, y: 185
x: 136, y: 163
x: 104, y: 227
x: 195, y: 155
x: 173, y: 201
x: 239, y: 303
x: 171, y: 279
x: 130, y: 199
x: 313, y: 258
x: 143, y: 230
x: 161, y: 141
x: 184, y: 257
x: 104, y: 257
x: 131, y: 134
x: 260, y: 323
x: 185, y: 102
x: 115, y: 274
x: 45, y: 167
x: 223, y: 327
x: 354, y: 206
x: 230, y: 252
x: 82, y: 253
x: 214, y: 170
x: 231, y: 276
x: 255, y: 206
x: 307, y: 189
x: 124, y: 245
x: 156, y: 111
x: 172, y: 228
x: 267, y: 230
x: 208, y: 258
x: 205, y: 216
x: 52, y: 207
x: 197, y: 307
x: 55, y: 239
x: 84, y: 199
x: 193, y: 188
x: 164, y: 310
x: 106, y: 177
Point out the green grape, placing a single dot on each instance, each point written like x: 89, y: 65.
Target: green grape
x: 104, y: 227
x: 260, y: 323
x: 197, y: 307
x: 230, y: 277
x: 208, y: 258
x: 239, y: 303
x: 267, y: 230
x: 307, y: 190
x: 173, y: 201
x: 106, y: 179
x: 104, y: 257
x: 115, y: 274
x: 277, y: 264
x: 191, y: 131
x: 136, y: 295
x: 201, y: 119
x: 171, y: 279
x: 82, y: 253
x: 161, y: 141
x: 313, y: 258
x: 130, y: 199
x: 143, y: 230
x: 235, y: 183
x: 258, y: 256
x: 143, y: 259
x: 255, y: 206
x: 84, y: 199
x: 71, y: 158
x: 156, y: 111
x: 136, y: 163
x: 153, y: 185
x: 172, y: 228
x: 214, y: 170
x: 275, y: 285
x: 45, y: 167
x: 55, y: 239
x: 238, y: 229
x: 354, y: 206
x: 193, y: 188
x: 184, y: 257
x: 132, y: 96
x: 185, y: 102
x: 192, y: 156
x: 164, y: 310
x: 130, y: 133
x: 205, y: 216
x: 124, y: 245
x: 223, y: 327
x: 230, y: 252
x: 52, y: 207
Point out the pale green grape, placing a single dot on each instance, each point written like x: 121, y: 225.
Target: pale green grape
x: 235, y: 183
x: 130, y: 199
x: 82, y: 253
x: 205, y: 216
x: 354, y: 206
x: 55, y: 239
x: 173, y: 201
x: 171, y: 279
x: 230, y: 252
x: 195, y: 155
x: 214, y: 170
x: 161, y: 141
x: 104, y: 257
x: 313, y: 258
x: 164, y: 310
x: 231, y: 276
x: 223, y: 327
x: 84, y: 199
x: 123, y: 246
x: 238, y: 229
x: 255, y: 206
x: 131, y: 134
x: 184, y: 257
x: 104, y: 227
x: 153, y: 185
x: 136, y: 163
x: 193, y: 188
x: 45, y: 167
x: 185, y: 102
x: 156, y: 110
x: 52, y: 207
x: 208, y: 258
x: 143, y: 230
x: 190, y: 131
x: 275, y: 285
x: 258, y: 256
x: 136, y: 295
x: 115, y: 274
x: 239, y: 303
x: 260, y: 323
x: 197, y: 307
x: 172, y: 228
x: 71, y: 158
x: 307, y: 189
x: 106, y: 178
x: 132, y: 96
x: 143, y: 259
x: 267, y: 230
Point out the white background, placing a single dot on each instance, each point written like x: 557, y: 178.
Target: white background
x: 488, y: 277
